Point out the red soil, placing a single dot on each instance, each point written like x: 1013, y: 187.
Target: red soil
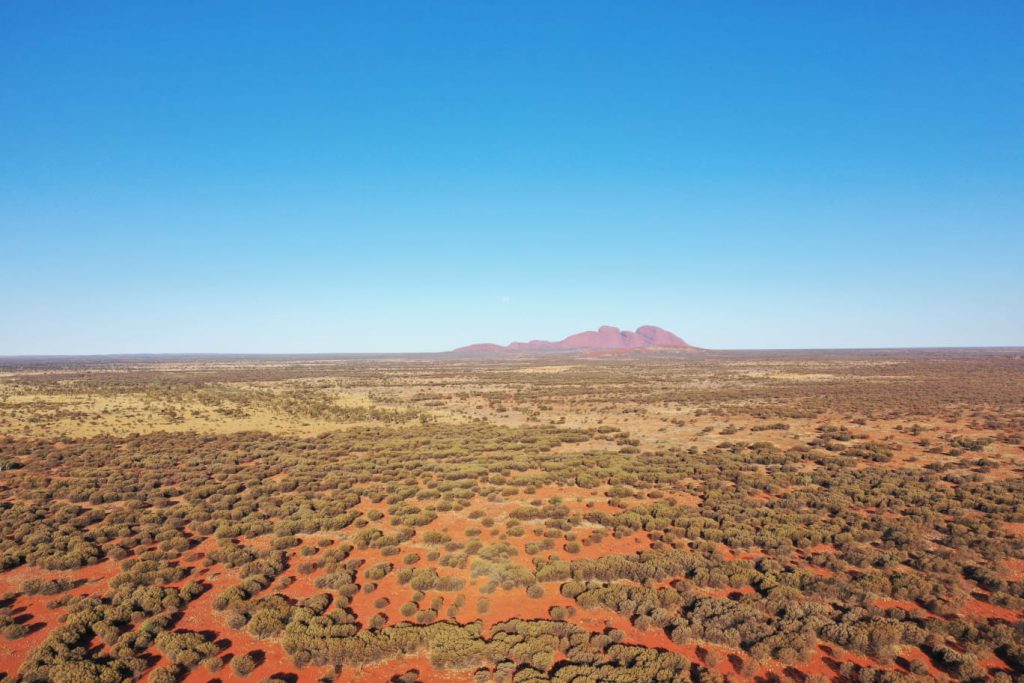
x: 199, y: 615
x: 980, y: 609
x: 34, y: 609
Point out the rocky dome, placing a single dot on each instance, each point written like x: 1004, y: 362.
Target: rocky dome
x: 605, y: 337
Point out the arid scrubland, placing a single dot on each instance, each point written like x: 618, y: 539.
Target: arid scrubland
x: 854, y: 516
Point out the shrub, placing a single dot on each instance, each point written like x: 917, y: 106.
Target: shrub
x: 242, y: 665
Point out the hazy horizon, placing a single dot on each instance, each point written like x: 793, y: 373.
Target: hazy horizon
x: 398, y: 178
x: 539, y: 354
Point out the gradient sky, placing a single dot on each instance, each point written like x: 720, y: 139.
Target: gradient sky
x: 412, y: 176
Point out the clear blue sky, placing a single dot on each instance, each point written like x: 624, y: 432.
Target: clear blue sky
x: 407, y: 176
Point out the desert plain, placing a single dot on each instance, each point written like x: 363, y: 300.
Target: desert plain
x: 750, y: 516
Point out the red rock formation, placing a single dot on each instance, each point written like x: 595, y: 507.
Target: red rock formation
x: 604, y: 339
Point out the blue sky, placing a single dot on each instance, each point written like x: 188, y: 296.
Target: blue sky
x: 409, y: 176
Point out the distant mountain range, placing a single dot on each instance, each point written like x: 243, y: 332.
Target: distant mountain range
x: 606, y: 338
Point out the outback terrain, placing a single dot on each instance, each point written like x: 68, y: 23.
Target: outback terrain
x: 667, y: 516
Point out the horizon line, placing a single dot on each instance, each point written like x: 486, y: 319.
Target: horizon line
x: 495, y: 354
